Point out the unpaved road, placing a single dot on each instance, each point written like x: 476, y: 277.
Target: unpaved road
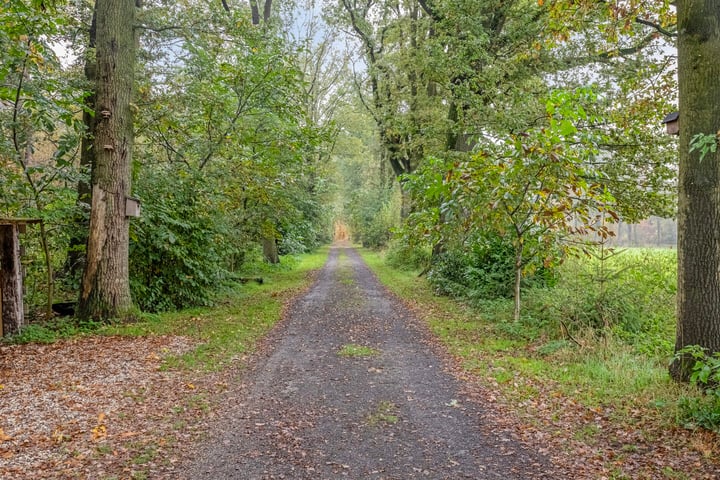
x: 307, y: 412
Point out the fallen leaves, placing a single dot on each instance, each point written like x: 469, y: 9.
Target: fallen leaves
x: 95, y: 407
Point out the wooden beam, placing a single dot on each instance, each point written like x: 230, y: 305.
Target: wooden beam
x: 11, y: 290
x: 18, y: 221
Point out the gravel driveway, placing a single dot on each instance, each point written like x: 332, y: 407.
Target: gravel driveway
x: 351, y: 388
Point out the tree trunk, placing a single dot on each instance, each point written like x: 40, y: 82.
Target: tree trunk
x: 698, y: 298
x: 76, y: 249
x: 270, y: 251
x: 518, y: 281
x: 105, y: 290
x: 11, y: 291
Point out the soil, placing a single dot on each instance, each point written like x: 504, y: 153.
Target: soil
x: 312, y: 407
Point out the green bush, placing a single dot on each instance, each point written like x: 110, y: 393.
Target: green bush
x: 703, y: 411
x: 482, y: 268
x: 180, y: 246
x: 402, y: 256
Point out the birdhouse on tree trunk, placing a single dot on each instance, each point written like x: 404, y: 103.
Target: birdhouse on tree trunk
x: 132, y: 207
x: 672, y: 123
x: 11, y: 276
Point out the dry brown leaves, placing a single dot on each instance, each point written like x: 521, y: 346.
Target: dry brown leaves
x: 598, y: 443
x: 97, y: 407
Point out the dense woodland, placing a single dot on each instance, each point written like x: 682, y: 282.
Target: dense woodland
x: 490, y: 145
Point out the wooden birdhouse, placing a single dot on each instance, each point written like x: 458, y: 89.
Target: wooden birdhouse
x: 132, y: 207
x: 672, y: 123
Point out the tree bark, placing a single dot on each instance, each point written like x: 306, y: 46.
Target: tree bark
x: 11, y: 298
x: 698, y: 298
x: 270, y: 251
x: 255, y: 11
x: 76, y: 249
x: 105, y: 290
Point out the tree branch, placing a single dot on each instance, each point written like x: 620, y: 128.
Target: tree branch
x: 656, y: 26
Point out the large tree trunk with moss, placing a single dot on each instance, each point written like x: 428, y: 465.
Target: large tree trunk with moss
x: 270, y: 250
x: 698, y: 299
x: 105, y: 290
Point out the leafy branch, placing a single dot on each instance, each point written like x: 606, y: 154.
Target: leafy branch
x: 705, y: 143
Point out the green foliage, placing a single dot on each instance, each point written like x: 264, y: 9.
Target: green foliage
x: 181, y: 245
x: 482, y: 269
x: 630, y: 295
x: 230, y: 156
x: 704, y: 144
x: 372, y: 219
x: 405, y: 257
x: 368, y: 203
x: 702, y: 411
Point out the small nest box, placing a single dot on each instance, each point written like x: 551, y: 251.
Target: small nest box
x: 672, y: 123
x: 132, y: 207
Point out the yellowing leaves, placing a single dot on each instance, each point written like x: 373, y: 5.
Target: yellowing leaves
x: 100, y: 430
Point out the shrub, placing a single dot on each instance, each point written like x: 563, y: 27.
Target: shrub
x: 180, y: 247
x: 703, y: 411
x: 483, y: 268
x: 402, y: 256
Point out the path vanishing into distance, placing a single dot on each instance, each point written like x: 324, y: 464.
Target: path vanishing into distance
x: 307, y: 411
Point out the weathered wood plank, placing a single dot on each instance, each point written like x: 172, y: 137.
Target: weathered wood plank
x: 11, y: 290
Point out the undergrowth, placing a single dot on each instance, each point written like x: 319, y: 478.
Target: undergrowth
x: 242, y: 314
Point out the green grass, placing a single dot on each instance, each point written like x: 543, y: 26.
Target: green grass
x: 353, y: 350
x: 232, y: 328
x: 385, y: 413
x: 225, y: 331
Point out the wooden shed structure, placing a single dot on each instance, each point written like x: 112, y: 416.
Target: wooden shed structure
x: 11, y: 274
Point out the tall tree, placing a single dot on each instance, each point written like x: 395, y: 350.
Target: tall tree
x: 105, y: 290
x: 698, y: 300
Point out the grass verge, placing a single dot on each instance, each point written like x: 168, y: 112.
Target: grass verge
x: 605, y: 389
x: 232, y: 328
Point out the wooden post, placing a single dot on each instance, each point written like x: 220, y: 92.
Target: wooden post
x: 11, y: 291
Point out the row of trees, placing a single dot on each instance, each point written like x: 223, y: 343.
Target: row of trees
x: 539, y: 124
x: 208, y: 113
x: 529, y: 123
x: 533, y: 121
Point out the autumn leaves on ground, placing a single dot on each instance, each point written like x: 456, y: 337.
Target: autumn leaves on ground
x: 142, y: 401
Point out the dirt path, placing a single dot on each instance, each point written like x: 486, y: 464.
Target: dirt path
x: 305, y: 411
